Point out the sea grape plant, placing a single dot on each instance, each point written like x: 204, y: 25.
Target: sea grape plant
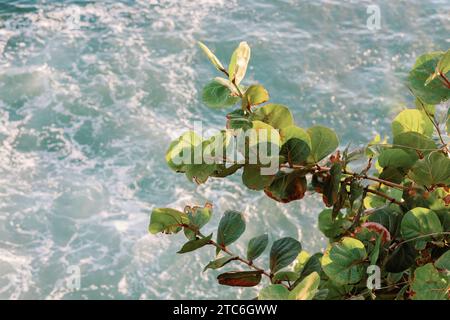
x: 388, y: 222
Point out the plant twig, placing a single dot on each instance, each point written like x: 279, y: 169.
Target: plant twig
x: 383, y: 195
x: 227, y: 251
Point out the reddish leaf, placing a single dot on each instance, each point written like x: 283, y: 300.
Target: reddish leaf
x: 240, y: 278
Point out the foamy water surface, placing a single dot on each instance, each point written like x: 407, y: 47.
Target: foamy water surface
x: 88, y: 107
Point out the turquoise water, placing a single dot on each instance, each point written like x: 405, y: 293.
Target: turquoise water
x: 88, y: 107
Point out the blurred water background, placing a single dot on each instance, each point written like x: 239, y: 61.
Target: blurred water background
x: 92, y: 92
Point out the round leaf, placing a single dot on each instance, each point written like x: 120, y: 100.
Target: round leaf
x: 433, y: 169
x: 274, y: 292
x: 323, y: 142
x: 287, y: 187
x: 431, y: 91
x: 276, y: 115
x: 217, y: 95
x: 167, y: 220
x: 420, y: 222
x: 296, y: 144
x: 283, y: 252
x: 412, y: 120
x: 343, y: 261
x: 255, y: 94
x: 428, y: 284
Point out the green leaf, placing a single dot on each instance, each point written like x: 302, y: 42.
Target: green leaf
x: 285, y: 276
x: 312, y: 265
x: 217, y: 95
x: 395, y: 158
x: 402, y: 258
x: 240, y: 278
x: 329, y: 226
x: 239, y: 62
x: 256, y: 246
x: 254, y: 179
x: 332, y: 185
x: 301, y: 260
x: 274, y: 292
x: 276, y: 115
x: 182, y: 150
x: 283, y: 252
x: 195, y: 244
x: 389, y: 217
x: 428, y: 284
x: 255, y: 95
x: 296, y: 144
x: 444, y: 261
x: 263, y: 144
x: 376, y: 251
x: 427, y: 108
x: 434, y: 92
x: 412, y: 142
x: 323, y: 142
x: 211, y: 56
x: 167, y: 220
x: 412, y: 120
x: 198, y: 217
x: 343, y: 261
x: 287, y: 187
x: 238, y: 120
x: 219, y: 263
x: 420, y: 222
x: 307, y: 288
x: 231, y: 227
x: 443, y: 65
x: 433, y: 169
x: 199, y: 173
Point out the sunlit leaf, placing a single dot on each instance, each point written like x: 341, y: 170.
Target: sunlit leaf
x: 434, y: 91
x: 181, y: 151
x: 343, y: 261
x: 255, y: 95
x: 306, y: 289
x: 276, y: 115
x: 323, y: 142
x: 239, y: 62
x: 211, y: 56
x: 274, y: 292
x: 412, y: 120
x: 167, y: 220
x: 428, y: 284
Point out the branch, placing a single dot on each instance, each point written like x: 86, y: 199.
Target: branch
x: 383, y: 195
x: 227, y: 251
